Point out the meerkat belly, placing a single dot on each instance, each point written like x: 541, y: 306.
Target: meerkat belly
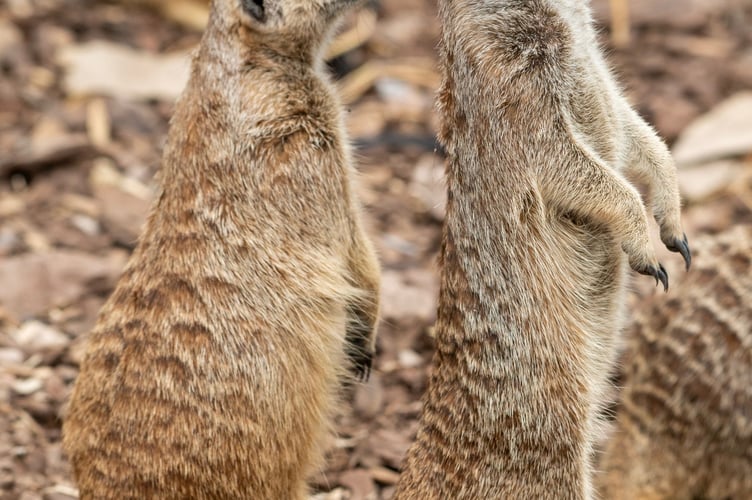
x: 196, y: 373
x: 593, y: 260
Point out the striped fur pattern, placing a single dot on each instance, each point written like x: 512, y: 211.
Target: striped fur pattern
x: 684, y: 425
x: 215, y: 365
x: 539, y: 228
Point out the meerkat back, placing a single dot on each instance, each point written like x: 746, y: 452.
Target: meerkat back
x: 215, y: 365
x: 684, y: 424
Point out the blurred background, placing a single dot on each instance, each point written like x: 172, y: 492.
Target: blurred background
x: 86, y: 92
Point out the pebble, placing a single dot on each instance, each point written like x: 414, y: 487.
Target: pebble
x: 27, y: 386
x: 35, y: 336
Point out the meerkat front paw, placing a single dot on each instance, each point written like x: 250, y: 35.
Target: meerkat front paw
x: 658, y: 272
x: 629, y: 219
x: 650, y: 160
x: 642, y: 259
x: 666, y: 201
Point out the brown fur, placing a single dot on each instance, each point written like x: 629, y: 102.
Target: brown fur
x: 684, y: 427
x: 538, y: 219
x: 214, y: 366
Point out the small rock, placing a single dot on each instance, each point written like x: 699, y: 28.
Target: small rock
x: 27, y: 386
x: 53, y: 278
x: 19, y: 451
x: 414, y: 378
x: 85, y: 224
x: 360, y: 484
x: 428, y: 186
x: 390, y: 445
x: 409, y: 293
x: 369, y: 397
x: 337, y: 494
x: 55, y: 388
x: 37, y: 337
x: 409, y: 358
x: 60, y: 491
x: 11, y: 356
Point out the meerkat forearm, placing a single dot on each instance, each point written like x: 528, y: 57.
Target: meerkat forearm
x: 650, y: 160
x: 591, y: 190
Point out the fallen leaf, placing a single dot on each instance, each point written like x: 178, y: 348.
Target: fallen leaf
x: 724, y: 132
x: 409, y: 293
x: 369, y: 397
x: 31, y: 157
x: 384, y: 475
x: 35, y: 337
x: 123, y: 201
x: 390, y: 445
x: 54, y: 278
x: 106, y: 68
x: 428, y: 186
x: 700, y: 182
x: 360, y: 484
x: 677, y: 13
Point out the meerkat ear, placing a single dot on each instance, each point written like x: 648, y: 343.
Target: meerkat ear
x: 255, y: 8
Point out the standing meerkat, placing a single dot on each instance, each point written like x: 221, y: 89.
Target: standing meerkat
x: 539, y: 219
x: 684, y: 425
x: 215, y: 364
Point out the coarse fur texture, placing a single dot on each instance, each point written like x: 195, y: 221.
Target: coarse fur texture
x: 215, y: 365
x: 684, y: 425
x: 540, y: 225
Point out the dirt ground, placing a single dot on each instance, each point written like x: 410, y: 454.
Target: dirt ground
x: 78, y: 158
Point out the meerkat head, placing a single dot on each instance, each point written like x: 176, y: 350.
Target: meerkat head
x: 290, y: 27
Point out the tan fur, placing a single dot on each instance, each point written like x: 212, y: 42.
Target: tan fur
x: 538, y: 137
x: 214, y: 367
x: 684, y: 426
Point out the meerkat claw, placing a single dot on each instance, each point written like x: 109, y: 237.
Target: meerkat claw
x: 662, y: 276
x: 659, y: 273
x: 364, y: 373
x: 362, y: 364
x: 682, y: 247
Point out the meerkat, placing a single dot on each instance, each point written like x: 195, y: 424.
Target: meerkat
x: 215, y: 364
x: 539, y: 219
x: 684, y: 424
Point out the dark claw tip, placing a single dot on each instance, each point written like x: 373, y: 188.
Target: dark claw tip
x: 659, y: 273
x: 682, y: 246
x: 363, y: 367
x: 662, y: 275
